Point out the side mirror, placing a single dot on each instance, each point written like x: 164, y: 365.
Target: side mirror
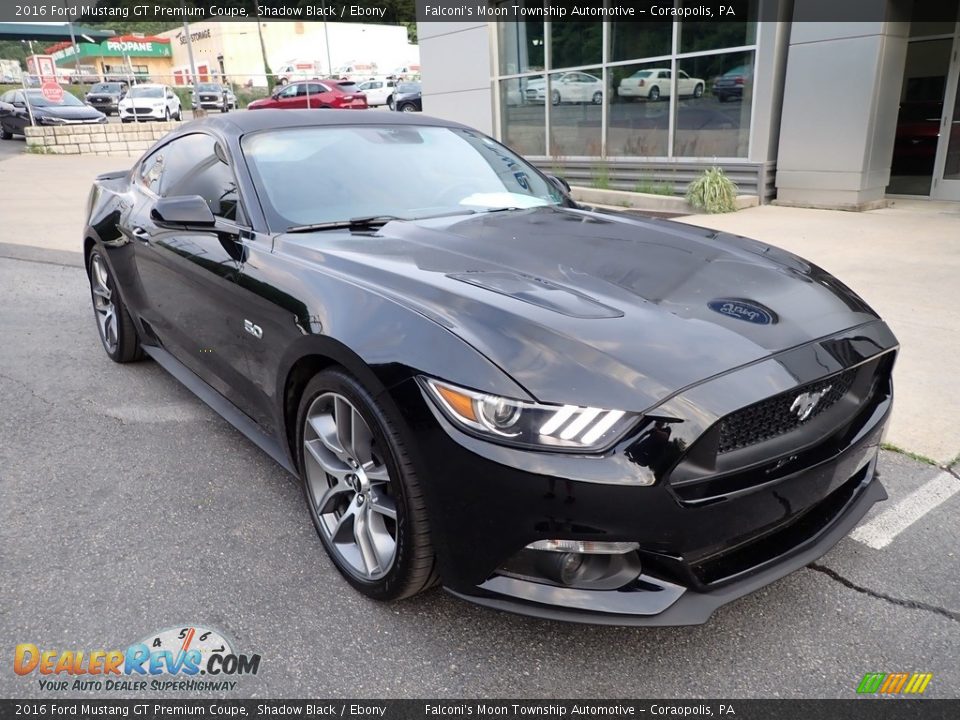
x: 560, y: 183
x: 189, y: 210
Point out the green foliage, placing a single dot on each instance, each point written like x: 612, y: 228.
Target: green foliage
x: 653, y: 187
x: 600, y: 177
x: 713, y: 192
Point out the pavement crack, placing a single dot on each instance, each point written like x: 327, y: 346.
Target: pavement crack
x: 29, y: 389
x: 910, y: 604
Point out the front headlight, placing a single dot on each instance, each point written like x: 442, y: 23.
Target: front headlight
x: 50, y: 120
x: 527, y: 424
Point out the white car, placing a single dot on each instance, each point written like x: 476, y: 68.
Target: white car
x: 570, y: 87
x: 377, y: 91
x: 150, y: 102
x: 655, y: 83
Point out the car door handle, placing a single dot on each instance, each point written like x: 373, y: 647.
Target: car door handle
x: 140, y: 233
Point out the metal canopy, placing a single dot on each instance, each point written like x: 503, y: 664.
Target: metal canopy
x: 51, y: 32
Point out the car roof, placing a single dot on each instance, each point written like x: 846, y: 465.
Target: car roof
x: 247, y: 121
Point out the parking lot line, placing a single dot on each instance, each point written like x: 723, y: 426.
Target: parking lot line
x: 884, y: 528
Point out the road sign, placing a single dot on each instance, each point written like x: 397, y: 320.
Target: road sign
x: 52, y: 91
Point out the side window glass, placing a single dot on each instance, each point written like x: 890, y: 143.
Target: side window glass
x: 193, y: 168
x: 151, y: 170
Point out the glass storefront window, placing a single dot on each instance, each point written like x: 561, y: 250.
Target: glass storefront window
x: 521, y: 47
x: 576, y: 109
x: 638, y: 125
x: 574, y: 44
x: 714, y: 95
x: 630, y: 40
x: 697, y: 36
x: 523, y: 114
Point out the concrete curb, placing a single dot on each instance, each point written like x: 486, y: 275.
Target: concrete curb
x: 644, y: 201
x: 29, y: 253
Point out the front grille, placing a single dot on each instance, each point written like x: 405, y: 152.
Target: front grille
x: 143, y: 111
x: 779, y: 415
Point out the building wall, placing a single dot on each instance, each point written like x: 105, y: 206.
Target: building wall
x: 836, y: 137
x: 455, y: 68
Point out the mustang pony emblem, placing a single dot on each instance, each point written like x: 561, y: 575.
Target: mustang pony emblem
x: 805, y: 403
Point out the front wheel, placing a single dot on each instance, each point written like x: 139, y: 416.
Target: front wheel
x: 555, y: 97
x: 166, y: 115
x: 597, y: 97
x: 654, y: 94
x: 408, y: 107
x: 117, y: 333
x: 698, y: 91
x: 361, y: 489
x: 5, y: 134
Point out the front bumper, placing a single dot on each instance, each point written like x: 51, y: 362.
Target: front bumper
x: 141, y: 113
x: 486, y: 503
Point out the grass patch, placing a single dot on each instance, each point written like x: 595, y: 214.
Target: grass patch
x: 912, y: 455
x: 600, y: 177
x: 653, y: 187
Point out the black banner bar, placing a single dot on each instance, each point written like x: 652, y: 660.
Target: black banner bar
x: 479, y: 709
x: 409, y: 11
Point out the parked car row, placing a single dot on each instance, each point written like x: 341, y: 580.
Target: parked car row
x: 15, y: 113
x: 153, y: 101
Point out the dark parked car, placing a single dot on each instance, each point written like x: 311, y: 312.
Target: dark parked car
x: 15, y: 116
x: 106, y: 96
x: 406, y: 98
x: 729, y: 86
x: 591, y: 417
x: 311, y: 94
x: 214, y: 96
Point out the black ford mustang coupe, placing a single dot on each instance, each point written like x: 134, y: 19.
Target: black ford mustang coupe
x: 558, y: 412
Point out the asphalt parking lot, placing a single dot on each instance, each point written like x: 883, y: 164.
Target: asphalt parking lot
x: 127, y: 506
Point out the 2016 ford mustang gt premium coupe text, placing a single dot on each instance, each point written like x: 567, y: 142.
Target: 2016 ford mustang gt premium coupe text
x: 548, y: 410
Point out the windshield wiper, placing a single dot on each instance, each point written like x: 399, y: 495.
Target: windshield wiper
x: 357, y: 223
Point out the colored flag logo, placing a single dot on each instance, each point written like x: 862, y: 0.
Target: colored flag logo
x: 894, y: 683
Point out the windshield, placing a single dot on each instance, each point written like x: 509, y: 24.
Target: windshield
x: 145, y: 92
x: 37, y: 99
x: 330, y: 174
x: 106, y: 88
x: 208, y: 87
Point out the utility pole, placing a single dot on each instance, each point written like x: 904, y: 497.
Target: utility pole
x: 263, y: 50
x: 326, y: 40
x: 73, y: 39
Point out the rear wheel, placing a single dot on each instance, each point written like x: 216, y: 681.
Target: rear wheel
x: 597, y: 97
x: 362, y: 491
x: 654, y: 94
x: 698, y: 91
x: 117, y: 333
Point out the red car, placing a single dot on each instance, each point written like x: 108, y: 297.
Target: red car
x: 312, y: 94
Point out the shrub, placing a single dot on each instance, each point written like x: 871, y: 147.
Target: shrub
x: 653, y: 187
x: 600, y: 177
x: 713, y: 192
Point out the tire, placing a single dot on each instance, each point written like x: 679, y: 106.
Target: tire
x: 225, y: 108
x: 179, y: 116
x: 722, y: 98
x: 698, y: 91
x: 166, y: 115
x: 555, y: 97
x: 5, y: 134
x: 382, y: 572
x: 408, y: 107
x: 281, y: 82
x: 597, y: 98
x: 654, y: 94
x: 114, y: 325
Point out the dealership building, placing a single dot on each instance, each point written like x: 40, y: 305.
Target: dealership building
x: 820, y: 114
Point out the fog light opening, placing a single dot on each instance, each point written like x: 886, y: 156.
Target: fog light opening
x: 570, y: 566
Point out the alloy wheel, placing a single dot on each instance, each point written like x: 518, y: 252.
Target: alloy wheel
x: 103, y: 305
x: 350, y: 487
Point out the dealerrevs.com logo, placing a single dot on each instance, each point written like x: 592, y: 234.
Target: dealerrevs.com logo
x: 176, y: 659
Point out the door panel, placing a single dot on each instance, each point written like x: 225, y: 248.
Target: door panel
x: 946, y: 179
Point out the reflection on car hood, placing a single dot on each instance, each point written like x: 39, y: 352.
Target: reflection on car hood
x: 644, y: 307
x: 69, y: 112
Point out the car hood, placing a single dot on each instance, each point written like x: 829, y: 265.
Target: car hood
x: 594, y: 309
x: 69, y: 112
